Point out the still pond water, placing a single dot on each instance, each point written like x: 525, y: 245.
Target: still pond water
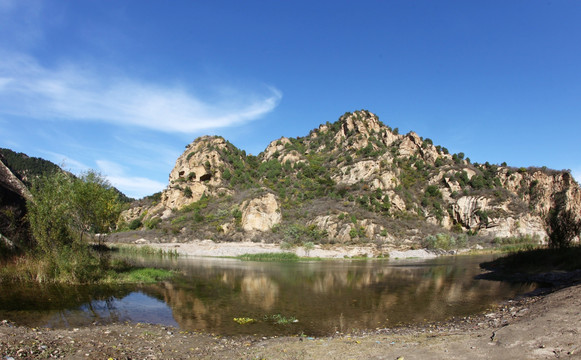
x: 324, y: 296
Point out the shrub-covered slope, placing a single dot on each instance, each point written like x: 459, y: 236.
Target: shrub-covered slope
x: 355, y: 180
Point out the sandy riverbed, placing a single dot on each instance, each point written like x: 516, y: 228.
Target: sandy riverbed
x: 211, y: 248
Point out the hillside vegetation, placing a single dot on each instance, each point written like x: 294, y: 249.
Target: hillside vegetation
x: 352, y: 181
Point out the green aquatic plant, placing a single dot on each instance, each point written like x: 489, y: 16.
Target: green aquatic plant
x: 280, y: 319
x: 244, y: 320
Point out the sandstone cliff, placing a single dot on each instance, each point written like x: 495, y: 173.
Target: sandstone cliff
x: 354, y: 180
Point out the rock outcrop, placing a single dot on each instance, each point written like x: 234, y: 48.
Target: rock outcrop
x: 197, y: 172
x: 260, y: 214
x: 11, y: 183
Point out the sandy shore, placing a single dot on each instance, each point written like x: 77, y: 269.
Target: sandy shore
x: 211, y: 248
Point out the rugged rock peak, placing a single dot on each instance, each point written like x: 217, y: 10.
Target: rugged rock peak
x: 360, y: 122
x: 197, y: 171
x: 412, y: 144
x: 275, y: 148
x: 199, y: 160
x: 353, y: 131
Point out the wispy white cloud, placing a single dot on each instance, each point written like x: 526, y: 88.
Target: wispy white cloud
x: 110, y: 167
x: 30, y: 89
x: 66, y: 162
x: 133, y: 186
x: 136, y: 187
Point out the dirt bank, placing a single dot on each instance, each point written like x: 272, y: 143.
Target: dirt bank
x: 211, y: 248
x: 538, y: 327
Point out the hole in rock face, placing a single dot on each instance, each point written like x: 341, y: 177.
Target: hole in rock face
x: 205, y: 177
x: 181, y: 173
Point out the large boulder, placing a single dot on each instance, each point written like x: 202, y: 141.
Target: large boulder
x: 260, y: 214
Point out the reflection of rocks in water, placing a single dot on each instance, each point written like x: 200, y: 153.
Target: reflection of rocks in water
x: 260, y: 291
x: 188, y: 310
x: 326, y: 297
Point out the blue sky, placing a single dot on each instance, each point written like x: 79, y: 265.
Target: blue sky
x: 123, y: 86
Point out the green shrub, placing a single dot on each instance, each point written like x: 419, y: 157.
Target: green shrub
x: 444, y: 241
x: 283, y: 256
x: 152, y: 223
x: 518, y: 243
x: 308, y: 246
x: 457, y: 228
x: 135, y: 224
x: 353, y: 233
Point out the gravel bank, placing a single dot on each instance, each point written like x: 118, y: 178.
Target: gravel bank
x: 211, y: 248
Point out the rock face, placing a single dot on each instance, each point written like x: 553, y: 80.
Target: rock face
x: 467, y: 209
x: 11, y: 183
x: 261, y: 214
x: 357, y: 180
x: 197, y: 171
x: 13, y: 196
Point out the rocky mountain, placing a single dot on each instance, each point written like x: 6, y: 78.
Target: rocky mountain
x: 352, y: 181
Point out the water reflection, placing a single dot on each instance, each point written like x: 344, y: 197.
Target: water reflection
x: 324, y: 296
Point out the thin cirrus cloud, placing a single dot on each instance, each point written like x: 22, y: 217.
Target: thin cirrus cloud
x: 133, y: 186
x: 68, y: 93
x: 66, y: 162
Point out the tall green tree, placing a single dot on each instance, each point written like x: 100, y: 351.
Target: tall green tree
x: 49, y: 212
x: 65, y: 208
x: 563, y: 225
x: 95, y: 206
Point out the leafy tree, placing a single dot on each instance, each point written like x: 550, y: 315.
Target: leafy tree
x: 562, y: 228
x: 49, y: 212
x: 95, y: 204
x: 65, y: 208
x: 562, y: 224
